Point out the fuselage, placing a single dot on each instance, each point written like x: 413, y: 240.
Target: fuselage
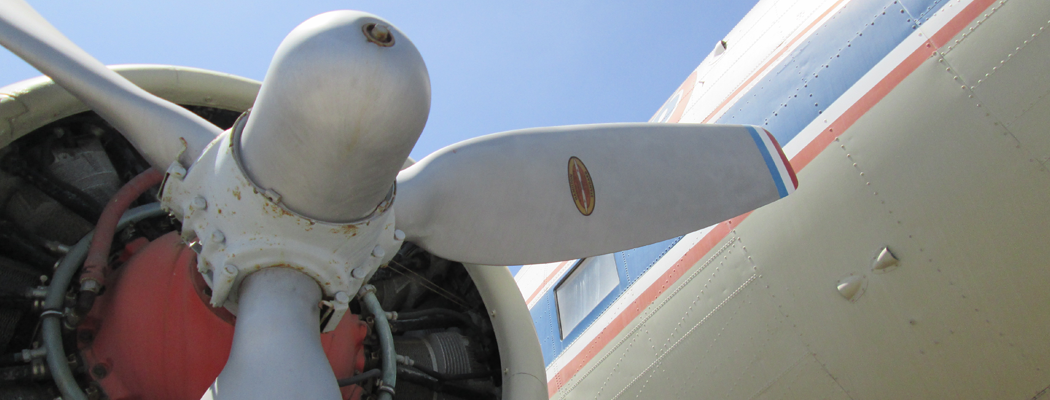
x: 910, y: 263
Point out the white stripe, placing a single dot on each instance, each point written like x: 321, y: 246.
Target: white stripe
x: 555, y: 277
x: 874, y: 76
x: 530, y: 277
x: 777, y: 160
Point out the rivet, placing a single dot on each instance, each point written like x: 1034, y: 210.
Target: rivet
x: 230, y: 269
x: 378, y: 252
x: 399, y: 235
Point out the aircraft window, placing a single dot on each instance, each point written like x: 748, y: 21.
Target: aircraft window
x: 587, y: 285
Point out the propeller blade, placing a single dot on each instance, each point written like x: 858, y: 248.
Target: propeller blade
x: 550, y: 194
x: 152, y: 124
x: 276, y: 352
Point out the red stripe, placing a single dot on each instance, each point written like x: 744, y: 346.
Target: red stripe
x: 802, y: 159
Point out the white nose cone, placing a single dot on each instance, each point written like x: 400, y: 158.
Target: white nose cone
x: 341, y: 107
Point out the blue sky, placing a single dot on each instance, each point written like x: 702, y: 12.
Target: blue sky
x: 494, y: 66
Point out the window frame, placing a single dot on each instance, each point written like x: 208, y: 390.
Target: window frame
x: 557, y: 304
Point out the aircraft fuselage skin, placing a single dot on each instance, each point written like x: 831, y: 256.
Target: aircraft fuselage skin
x: 917, y: 128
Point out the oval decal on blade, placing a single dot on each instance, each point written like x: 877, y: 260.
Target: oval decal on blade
x: 581, y: 186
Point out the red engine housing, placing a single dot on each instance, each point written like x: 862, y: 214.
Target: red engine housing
x: 153, y: 335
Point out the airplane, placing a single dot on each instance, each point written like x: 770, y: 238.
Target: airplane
x: 295, y: 250
x: 826, y: 293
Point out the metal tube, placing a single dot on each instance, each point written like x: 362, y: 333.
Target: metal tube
x: 56, y: 294
x: 387, y: 354
x: 93, y: 275
x: 357, y: 379
x: 102, y: 239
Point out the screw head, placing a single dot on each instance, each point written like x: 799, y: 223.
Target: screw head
x: 378, y: 34
x: 359, y: 273
x: 86, y: 336
x: 198, y: 203
x: 342, y: 297
x: 99, y: 371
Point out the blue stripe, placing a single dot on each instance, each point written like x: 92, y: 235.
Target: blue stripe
x: 773, y: 170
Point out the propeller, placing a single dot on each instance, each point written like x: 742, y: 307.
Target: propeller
x: 549, y: 194
x: 160, y: 130
x: 343, y: 103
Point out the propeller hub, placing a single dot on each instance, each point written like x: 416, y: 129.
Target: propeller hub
x: 238, y: 228
x: 341, y: 107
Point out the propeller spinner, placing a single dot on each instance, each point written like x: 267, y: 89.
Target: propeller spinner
x: 310, y: 181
